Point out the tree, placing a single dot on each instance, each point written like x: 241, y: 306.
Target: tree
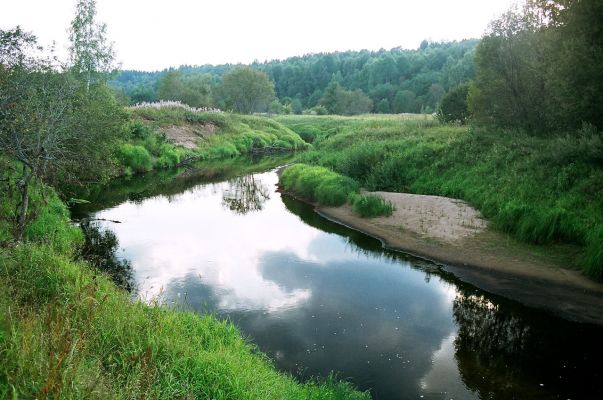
x: 538, y: 69
x: 90, y: 52
x: 170, y: 86
x: 247, y: 90
x: 50, y: 124
x: 575, y: 76
x: 339, y: 101
x: 453, y: 107
x: 509, y: 88
x: 383, y: 107
x: 404, y: 102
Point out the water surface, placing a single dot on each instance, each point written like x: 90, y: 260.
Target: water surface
x: 318, y: 297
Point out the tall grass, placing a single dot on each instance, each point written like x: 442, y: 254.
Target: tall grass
x: 318, y: 184
x: 538, y: 189
x: 370, y: 205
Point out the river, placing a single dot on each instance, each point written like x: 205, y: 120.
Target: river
x: 318, y: 297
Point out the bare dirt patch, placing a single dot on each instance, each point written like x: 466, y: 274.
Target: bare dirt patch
x: 187, y: 136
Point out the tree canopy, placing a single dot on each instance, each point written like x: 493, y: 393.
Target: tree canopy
x: 539, y: 67
x: 395, y: 80
x: 51, y: 123
x: 247, y: 90
x: 91, y: 55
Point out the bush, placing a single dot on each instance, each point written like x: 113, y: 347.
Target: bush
x: 138, y: 130
x: 453, y: 107
x: 370, y: 205
x: 135, y: 157
x: 169, y: 156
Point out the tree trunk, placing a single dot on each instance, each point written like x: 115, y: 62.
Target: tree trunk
x: 24, y: 189
x: 88, y: 81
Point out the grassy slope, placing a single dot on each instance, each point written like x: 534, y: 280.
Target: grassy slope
x: 234, y: 135
x: 66, y: 332
x: 540, y: 190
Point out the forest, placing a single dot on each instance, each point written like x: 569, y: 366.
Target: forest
x: 392, y: 81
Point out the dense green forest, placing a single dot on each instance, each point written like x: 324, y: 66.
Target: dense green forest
x: 395, y: 80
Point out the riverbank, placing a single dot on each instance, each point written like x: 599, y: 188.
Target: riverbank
x: 540, y: 190
x: 453, y: 234
x: 66, y: 331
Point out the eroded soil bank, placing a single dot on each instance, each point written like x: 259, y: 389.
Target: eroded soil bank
x: 452, y: 233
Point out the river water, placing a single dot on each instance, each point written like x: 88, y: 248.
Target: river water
x: 318, y: 297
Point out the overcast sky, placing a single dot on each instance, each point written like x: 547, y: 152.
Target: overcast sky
x: 155, y: 34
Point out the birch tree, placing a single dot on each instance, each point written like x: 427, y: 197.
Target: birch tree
x: 91, y: 54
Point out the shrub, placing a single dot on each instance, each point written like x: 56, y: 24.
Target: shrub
x: 453, y: 107
x: 169, y: 156
x: 135, y: 157
x: 138, y: 130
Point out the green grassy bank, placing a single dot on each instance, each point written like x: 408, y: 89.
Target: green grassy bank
x: 325, y: 187
x: 539, y: 189
x: 67, y: 332
x: 217, y: 135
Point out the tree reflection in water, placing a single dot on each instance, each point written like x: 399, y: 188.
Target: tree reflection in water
x: 100, y: 250
x: 504, y: 353
x: 245, y: 194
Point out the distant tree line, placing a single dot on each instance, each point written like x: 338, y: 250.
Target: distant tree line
x: 351, y: 82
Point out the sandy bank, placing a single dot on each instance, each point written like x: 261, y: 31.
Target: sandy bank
x: 452, y: 233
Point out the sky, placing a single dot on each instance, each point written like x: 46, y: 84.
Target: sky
x: 156, y: 34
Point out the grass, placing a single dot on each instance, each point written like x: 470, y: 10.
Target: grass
x: 323, y: 186
x: 370, y: 205
x: 539, y: 189
x: 318, y: 184
x: 68, y: 332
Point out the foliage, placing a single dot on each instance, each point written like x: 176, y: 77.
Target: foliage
x: 370, y: 205
x: 337, y: 100
x: 409, y: 80
x: 68, y: 332
x: 539, y: 190
x: 453, y: 107
x: 91, y: 54
x: 135, y: 157
x: 50, y: 123
x: 247, y: 90
x: 233, y: 135
x: 194, y: 90
x: 537, y: 68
